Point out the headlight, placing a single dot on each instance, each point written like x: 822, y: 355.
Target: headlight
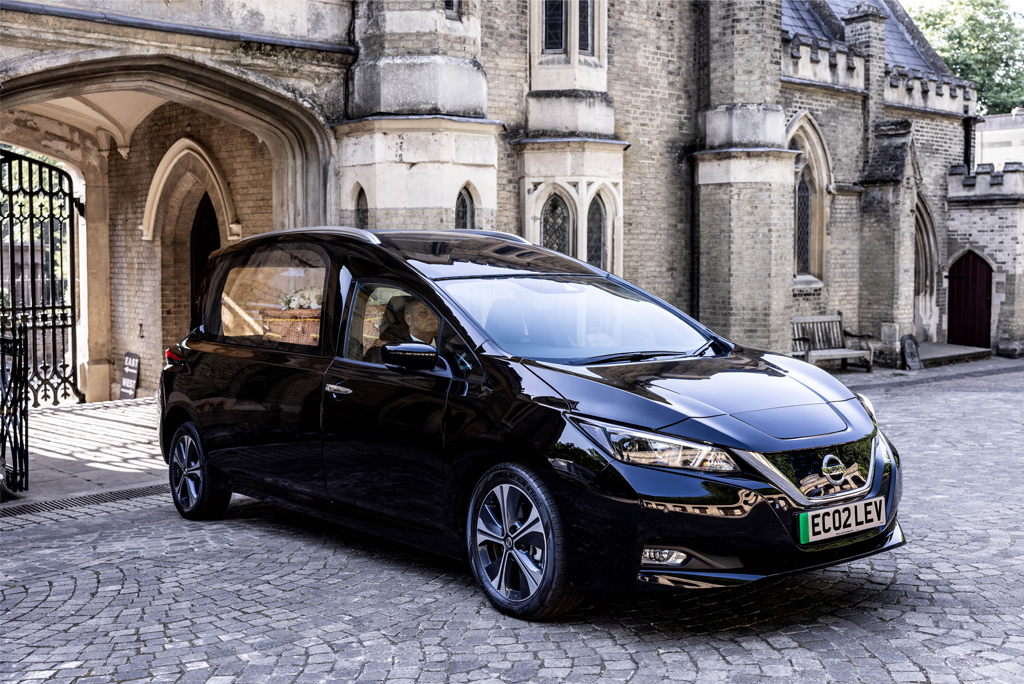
x: 645, y: 448
x: 868, y: 406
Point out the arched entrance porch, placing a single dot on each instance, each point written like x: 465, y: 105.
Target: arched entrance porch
x: 116, y: 119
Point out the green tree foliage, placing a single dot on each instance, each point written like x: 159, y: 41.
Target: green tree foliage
x: 982, y: 40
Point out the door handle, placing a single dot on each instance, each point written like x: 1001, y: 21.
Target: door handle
x: 338, y: 389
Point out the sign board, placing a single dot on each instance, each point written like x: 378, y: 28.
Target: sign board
x: 129, y: 376
x: 911, y: 353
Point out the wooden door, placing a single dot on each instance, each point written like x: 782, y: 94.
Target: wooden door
x: 970, y: 302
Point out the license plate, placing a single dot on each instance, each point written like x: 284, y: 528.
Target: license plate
x: 840, y: 520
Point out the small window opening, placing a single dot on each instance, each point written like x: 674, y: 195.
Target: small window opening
x: 465, y: 215
x: 362, y: 211
x: 586, y: 27
x: 555, y: 225
x: 803, y: 226
x: 595, y: 233
x: 554, y: 26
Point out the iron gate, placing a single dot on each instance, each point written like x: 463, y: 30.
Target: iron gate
x: 14, y: 416
x: 37, y: 273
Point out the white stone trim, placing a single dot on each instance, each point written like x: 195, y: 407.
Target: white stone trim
x: 418, y: 162
x: 220, y: 192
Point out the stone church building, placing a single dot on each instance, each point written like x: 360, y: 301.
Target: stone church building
x: 747, y: 160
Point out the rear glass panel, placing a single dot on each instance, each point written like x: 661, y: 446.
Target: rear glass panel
x: 273, y: 298
x: 571, y: 319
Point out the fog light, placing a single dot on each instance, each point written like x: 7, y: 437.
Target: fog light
x: 663, y: 556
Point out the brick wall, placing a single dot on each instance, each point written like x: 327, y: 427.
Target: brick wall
x: 141, y: 295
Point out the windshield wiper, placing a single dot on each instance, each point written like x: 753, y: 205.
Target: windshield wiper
x: 631, y: 357
x: 703, y: 348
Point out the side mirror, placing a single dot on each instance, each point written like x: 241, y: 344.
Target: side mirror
x: 413, y: 356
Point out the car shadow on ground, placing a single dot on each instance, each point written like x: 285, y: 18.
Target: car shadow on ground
x: 784, y: 603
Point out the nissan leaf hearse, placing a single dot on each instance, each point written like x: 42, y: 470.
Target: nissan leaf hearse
x: 475, y: 395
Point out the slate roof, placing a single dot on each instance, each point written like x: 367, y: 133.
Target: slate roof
x: 799, y: 16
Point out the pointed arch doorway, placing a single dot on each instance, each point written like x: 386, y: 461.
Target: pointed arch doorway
x: 970, y: 301
x: 204, y: 241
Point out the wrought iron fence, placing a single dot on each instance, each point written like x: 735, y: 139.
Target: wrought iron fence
x: 14, y: 392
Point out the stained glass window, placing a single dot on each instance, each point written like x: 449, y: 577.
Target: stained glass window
x: 803, y: 226
x: 555, y: 225
x: 554, y: 25
x: 595, y: 233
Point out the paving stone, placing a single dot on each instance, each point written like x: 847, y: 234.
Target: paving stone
x: 134, y: 593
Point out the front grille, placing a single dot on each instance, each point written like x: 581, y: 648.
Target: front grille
x: 804, y: 468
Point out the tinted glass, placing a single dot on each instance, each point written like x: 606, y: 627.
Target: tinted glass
x: 383, y: 313
x: 566, y: 318
x: 271, y: 298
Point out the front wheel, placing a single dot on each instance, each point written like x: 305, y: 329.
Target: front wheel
x: 516, y: 543
x: 194, y: 496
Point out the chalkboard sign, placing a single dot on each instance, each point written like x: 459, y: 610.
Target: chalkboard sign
x: 911, y: 353
x: 129, y: 376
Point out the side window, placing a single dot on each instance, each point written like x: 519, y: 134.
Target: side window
x: 383, y: 313
x: 271, y: 298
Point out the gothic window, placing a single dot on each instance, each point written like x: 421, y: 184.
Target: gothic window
x: 813, y: 186
x: 362, y: 211
x: 464, y: 212
x: 452, y: 9
x: 803, y: 226
x: 595, y: 233
x: 554, y: 25
x: 555, y: 225
x: 586, y: 27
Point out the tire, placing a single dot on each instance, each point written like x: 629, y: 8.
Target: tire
x: 517, y: 544
x: 194, y: 496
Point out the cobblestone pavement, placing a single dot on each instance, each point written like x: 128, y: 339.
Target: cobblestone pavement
x: 271, y: 596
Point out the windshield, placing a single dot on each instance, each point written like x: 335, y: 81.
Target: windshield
x: 573, y: 318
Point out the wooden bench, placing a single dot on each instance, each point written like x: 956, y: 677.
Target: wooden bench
x: 823, y: 338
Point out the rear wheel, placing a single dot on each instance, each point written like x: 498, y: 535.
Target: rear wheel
x: 194, y: 496
x: 516, y: 543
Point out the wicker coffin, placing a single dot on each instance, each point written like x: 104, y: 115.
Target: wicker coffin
x: 292, y: 326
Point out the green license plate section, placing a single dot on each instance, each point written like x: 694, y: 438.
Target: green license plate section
x: 840, y: 520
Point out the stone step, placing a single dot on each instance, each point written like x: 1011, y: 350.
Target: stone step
x: 934, y: 354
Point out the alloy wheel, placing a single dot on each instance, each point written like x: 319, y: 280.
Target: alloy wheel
x: 187, y: 472
x: 511, y: 542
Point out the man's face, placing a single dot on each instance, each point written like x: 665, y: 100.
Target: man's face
x: 422, y: 323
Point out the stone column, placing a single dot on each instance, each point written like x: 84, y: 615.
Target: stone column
x: 417, y: 134
x: 415, y: 58
x: 745, y: 180
x: 95, y: 248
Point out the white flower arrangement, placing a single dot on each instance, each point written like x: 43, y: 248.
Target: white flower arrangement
x: 303, y: 298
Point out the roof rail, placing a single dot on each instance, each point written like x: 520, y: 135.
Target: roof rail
x: 497, y: 234
x: 485, y: 233
x: 358, y: 233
